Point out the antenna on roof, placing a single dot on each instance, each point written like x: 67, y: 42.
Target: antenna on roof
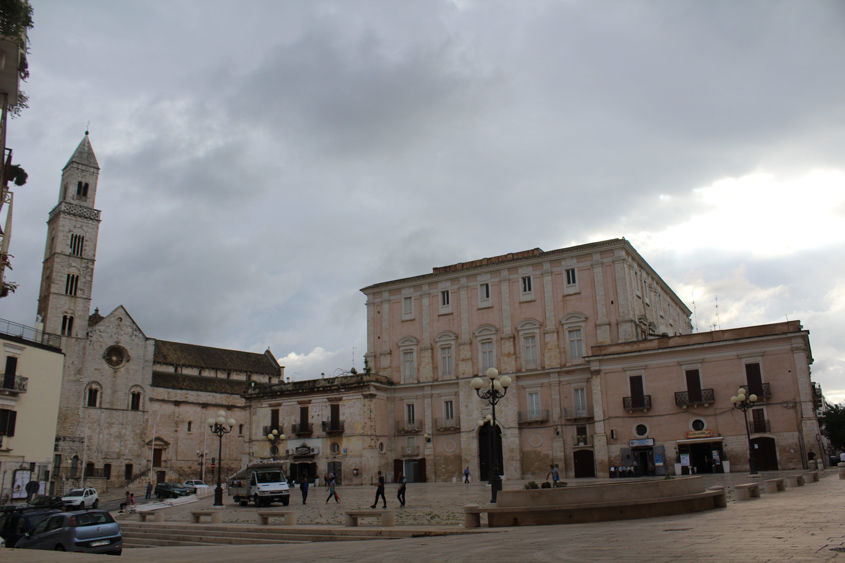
x: 718, y: 322
x: 353, y: 357
x: 694, y: 315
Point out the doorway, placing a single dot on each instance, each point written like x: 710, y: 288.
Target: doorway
x: 335, y: 467
x: 486, y: 435
x: 583, y: 463
x: 765, y: 452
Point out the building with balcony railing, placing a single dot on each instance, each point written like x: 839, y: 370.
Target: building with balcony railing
x: 302, y: 429
x: 332, y: 427
x: 704, y: 397
x: 530, y: 417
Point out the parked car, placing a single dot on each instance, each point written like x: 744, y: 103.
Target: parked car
x: 195, y: 486
x: 86, y: 531
x: 18, y: 520
x: 170, y: 490
x: 47, y: 501
x: 77, y: 499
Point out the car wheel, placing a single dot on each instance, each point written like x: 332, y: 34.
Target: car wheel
x: 257, y: 501
x: 285, y: 501
x: 96, y: 504
x: 60, y: 547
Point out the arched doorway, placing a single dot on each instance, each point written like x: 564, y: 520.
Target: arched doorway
x: 765, y: 452
x: 485, y: 434
x: 584, y: 463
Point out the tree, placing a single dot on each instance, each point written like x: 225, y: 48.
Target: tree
x: 833, y: 425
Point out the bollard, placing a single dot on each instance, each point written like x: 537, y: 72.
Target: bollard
x: 841, y: 470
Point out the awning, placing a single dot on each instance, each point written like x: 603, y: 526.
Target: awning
x: 700, y: 440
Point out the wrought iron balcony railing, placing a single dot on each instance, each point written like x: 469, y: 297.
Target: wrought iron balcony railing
x: 446, y: 424
x: 763, y: 392
x: 302, y: 429
x: 704, y: 397
x: 582, y: 440
x: 332, y: 427
x: 16, y: 386
x: 410, y: 451
x: 759, y: 426
x: 572, y: 414
x: 641, y: 402
x: 266, y: 430
x: 408, y: 426
x: 528, y: 417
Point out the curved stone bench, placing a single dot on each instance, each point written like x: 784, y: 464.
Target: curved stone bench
x: 265, y: 515
x: 498, y: 516
x: 747, y: 491
x: 774, y: 485
x: 795, y: 481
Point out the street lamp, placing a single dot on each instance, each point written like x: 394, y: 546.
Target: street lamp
x: 742, y: 403
x: 498, y: 389
x: 275, y: 439
x: 201, y: 463
x: 218, y: 427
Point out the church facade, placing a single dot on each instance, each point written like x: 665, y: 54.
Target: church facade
x: 132, y: 408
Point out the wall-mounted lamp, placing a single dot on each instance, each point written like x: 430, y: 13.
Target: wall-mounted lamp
x: 427, y: 437
x: 557, y: 431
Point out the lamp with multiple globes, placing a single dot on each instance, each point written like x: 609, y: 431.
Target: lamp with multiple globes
x: 492, y: 395
x: 744, y: 402
x: 220, y: 427
x: 275, y: 439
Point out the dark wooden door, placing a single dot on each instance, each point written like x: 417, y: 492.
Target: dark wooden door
x: 584, y: 463
x: 765, y: 452
x: 421, y: 470
x: 637, y: 391
x: 486, y: 435
x: 693, y: 386
x: 755, y: 379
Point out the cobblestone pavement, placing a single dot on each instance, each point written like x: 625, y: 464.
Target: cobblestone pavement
x: 803, y: 524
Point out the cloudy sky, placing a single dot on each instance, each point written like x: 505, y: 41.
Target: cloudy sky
x: 262, y: 161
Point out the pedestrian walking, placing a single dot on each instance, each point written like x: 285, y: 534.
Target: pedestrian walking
x: 466, y: 474
x: 554, y: 474
x: 303, y: 488
x: 403, y: 481
x: 149, y: 494
x: 331, y: 489
x: 380, y: 491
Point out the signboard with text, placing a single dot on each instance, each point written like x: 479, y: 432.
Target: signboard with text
x: 641, y: 442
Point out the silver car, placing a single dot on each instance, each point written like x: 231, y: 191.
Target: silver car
x: 83, y: 531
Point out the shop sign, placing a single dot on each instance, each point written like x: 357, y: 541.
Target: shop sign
x: 699, y: 434
x: 641, y: 442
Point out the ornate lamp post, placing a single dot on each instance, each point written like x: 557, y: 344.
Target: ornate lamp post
x: 218, y: 427
x: 498, y: 389
x: 201, y: 456
x: 275, y: 439
x: 742, y: 403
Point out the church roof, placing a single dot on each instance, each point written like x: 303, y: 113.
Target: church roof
x: 84, y: 154
x: 178, y: 353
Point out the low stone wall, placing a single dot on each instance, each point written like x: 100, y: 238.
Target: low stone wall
x: 624, y: 500
x: 624, y: 490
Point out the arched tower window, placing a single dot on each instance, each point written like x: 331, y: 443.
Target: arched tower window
x: 93, y: 395
x: 67, y: 325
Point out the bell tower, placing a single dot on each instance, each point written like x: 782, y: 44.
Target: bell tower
x: 67, y: 277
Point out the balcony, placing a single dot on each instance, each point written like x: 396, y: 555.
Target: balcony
x: 447, y: 424
x: 268, y: 429
x: 408, y: 426
x: 759, y: 426
x: 30, y: 334
x: 8, y: 386
x: 410, y: 451
x: 332, y: 427
x: 302, y: 429
x: 530, y: 417
x: 686, y: 399
x: 763, y: 394
x: 639, y: 403
x: 572, y: 414
x: 582, y: 441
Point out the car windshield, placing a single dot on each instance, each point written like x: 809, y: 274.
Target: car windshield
x: 270, y: 477
x: 75, y: 493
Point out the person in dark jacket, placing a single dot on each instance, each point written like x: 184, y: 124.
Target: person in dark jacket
x: 380, y: 491
x: 303, y: 487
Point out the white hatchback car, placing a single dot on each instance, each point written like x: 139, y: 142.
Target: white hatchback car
x: 195, y: 486
x: 78, y: 499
